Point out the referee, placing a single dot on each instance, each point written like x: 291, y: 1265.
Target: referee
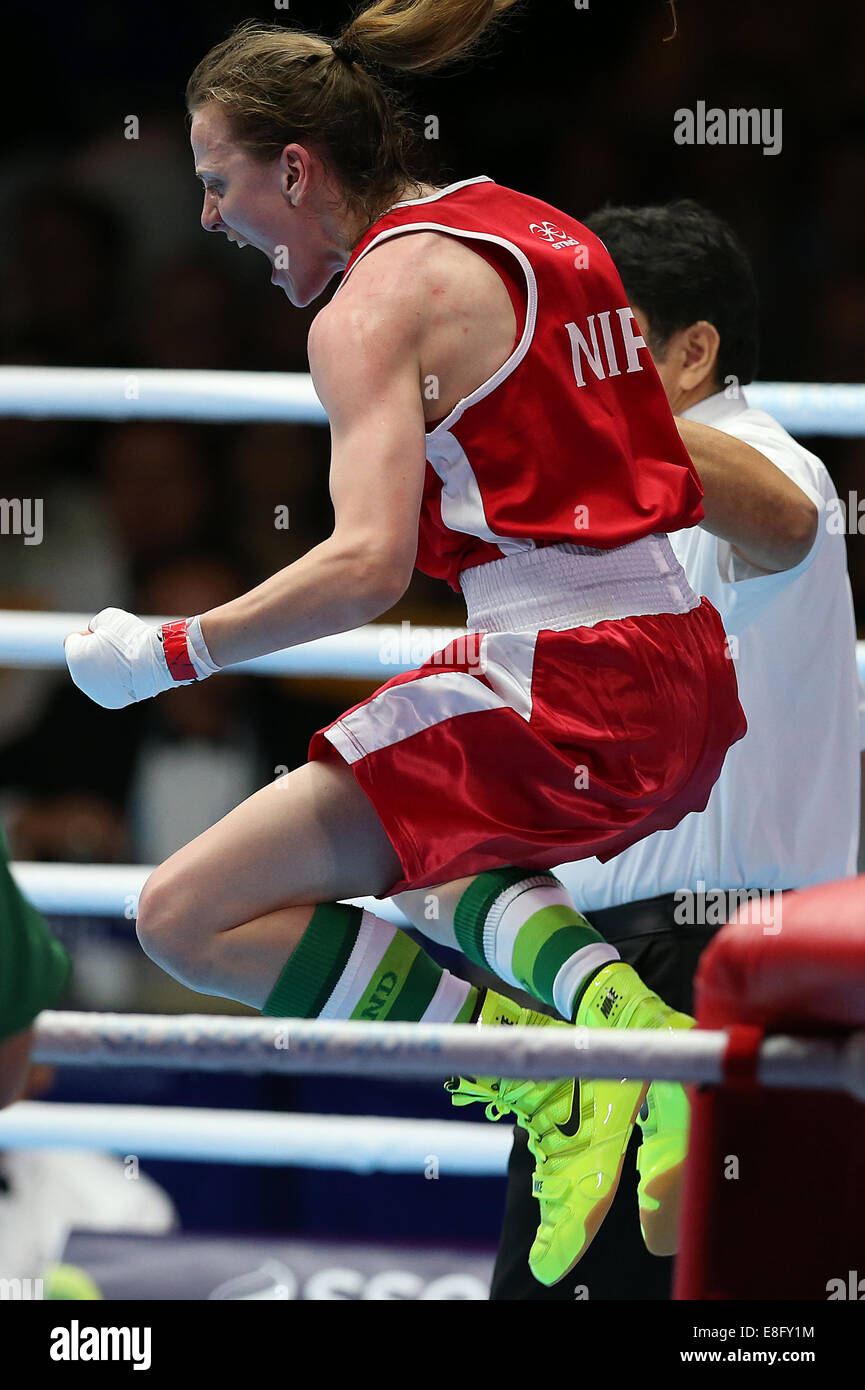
x: 34, y: 971
x: 785, y: 810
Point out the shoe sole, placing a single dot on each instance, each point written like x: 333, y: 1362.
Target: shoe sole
x: 598, y: 1214
x: 661, y: 1227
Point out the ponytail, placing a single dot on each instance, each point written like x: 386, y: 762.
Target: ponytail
x: 419, y: 35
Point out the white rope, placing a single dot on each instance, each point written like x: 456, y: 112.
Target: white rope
x: 352, y: 1143
x: 99, y: 890
x: 112, y: 890
x: 152, y: 394
x: 107, y: 393
x: 811, y: 407
x: 374, y: 652
x: 203, y: 1043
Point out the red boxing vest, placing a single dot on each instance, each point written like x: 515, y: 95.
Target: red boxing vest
x: 572, y: 439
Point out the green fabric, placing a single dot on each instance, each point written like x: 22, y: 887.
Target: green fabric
x: 412, y: 1001
x: 548, y: 939
x: 389, y: 978
x: 310, y: 975
x: 399, y: 980
x: 470, y: 1007
x: 34, y: 966
x: 471, y: 911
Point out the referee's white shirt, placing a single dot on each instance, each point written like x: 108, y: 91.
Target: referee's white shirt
x: 785, y: 809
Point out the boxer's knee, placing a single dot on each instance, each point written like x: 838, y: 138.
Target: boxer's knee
x: 171, y: 927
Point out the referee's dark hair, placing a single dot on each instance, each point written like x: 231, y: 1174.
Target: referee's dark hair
x: 681, y: 263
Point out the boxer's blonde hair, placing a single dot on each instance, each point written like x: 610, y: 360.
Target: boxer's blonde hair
x: 278, y: 85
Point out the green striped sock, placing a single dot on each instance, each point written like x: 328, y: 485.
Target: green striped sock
x: 351, y: 964
x: 526, y: 929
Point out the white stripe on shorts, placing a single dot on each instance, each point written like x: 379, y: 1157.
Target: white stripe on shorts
x: 402, y: 710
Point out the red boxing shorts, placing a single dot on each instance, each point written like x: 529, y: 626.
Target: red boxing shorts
x: 538, y: 748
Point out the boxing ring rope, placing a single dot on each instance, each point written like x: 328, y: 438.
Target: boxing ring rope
x: 107, y: 393
x: 358, y: 1143
x: 90, y: 393
x: 350, y: 1143
x: 112, y: 890
x: 36, y: 640
x: 365, y: 1144
x: 374, y: 652
x: 418, y: 1050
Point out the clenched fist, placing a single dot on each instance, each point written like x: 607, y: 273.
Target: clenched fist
x: 122, y: 659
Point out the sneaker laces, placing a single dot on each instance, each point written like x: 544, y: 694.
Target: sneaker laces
x: 539, y: 1124
x: 465, y: 1090
x: 504, y: 1098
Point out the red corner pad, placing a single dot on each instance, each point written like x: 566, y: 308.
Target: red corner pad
x: 741, y: 1057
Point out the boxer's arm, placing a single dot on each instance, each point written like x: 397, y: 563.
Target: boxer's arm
x: 364, y: 361
x: 34, y: 970
x: 767, y: 519
x: 14, y: 1065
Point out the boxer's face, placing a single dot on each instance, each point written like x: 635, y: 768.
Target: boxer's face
x: 283, y: 207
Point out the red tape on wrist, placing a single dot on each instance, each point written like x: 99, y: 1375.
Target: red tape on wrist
x: 742, y: 1056
x: 177, y: 660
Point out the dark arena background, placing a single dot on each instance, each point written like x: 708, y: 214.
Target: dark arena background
x: 104, y: 264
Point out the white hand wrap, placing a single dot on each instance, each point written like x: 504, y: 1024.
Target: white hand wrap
x: 125, y: 659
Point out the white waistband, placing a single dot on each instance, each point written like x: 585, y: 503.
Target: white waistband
x: 564, y: 586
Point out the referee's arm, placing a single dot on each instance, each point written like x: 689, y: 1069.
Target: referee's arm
x: 768, y: 520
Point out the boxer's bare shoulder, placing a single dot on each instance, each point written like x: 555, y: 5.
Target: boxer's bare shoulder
x: 465, y: 322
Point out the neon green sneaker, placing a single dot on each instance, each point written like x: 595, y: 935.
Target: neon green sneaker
x: 617, y: 998
x: 664, y: 1121
x: 577, y: 1132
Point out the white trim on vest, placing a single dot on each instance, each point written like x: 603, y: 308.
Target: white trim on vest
x: 462, y: 506
x: 461, y: 501
x: 442, y: 193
